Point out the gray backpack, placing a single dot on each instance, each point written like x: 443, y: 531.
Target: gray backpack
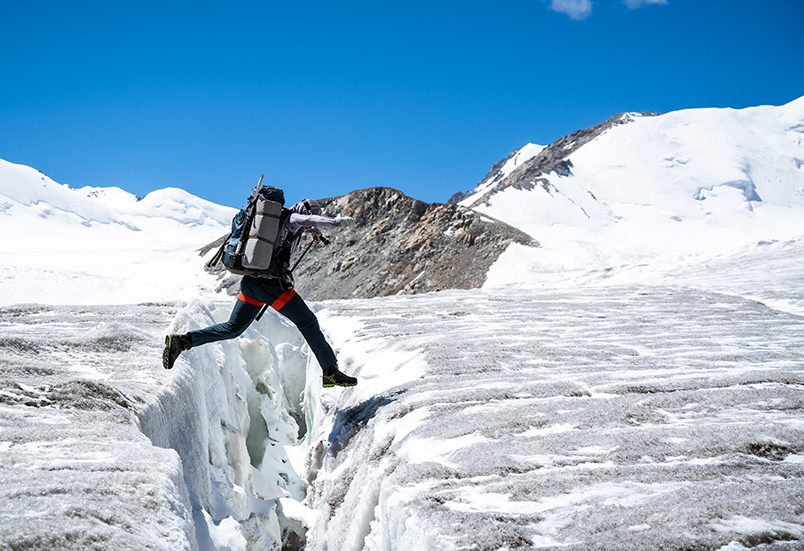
x: 250, y: 245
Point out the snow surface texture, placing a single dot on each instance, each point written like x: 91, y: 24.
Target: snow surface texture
x: 610, y: 417
x: 101, y: 448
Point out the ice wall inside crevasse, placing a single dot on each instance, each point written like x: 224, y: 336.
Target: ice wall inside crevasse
x: 234, y: 414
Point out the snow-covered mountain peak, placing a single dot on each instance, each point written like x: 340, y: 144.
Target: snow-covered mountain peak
x: 28, y: 187
x: 639, y: 189
x: 179, y: 205
x: 501, y: 170
x: 23, y: 186
x: 644, y: 188
x: 518, y: 169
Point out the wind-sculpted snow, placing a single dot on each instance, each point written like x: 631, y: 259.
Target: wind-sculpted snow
x: 611, y: 418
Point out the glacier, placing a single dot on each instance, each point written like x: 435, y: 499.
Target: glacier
x: 635, y: 384
x: 629, y: 417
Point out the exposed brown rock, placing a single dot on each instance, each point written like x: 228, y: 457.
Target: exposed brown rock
x: 400, y: 245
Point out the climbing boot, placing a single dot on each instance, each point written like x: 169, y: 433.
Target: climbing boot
x: 333, y: 377
x: 174, y: 345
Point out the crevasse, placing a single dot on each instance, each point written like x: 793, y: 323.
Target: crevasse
x: 234, y: 414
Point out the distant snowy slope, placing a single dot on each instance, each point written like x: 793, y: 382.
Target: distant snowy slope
x: 100, y: 245
x: 653, y: 189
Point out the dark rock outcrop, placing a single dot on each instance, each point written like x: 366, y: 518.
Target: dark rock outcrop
x: 399, y: 245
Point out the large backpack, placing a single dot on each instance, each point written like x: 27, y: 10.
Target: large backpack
x: 249, y: 247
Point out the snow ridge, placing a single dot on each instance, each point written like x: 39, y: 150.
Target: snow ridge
x: 101, y: 245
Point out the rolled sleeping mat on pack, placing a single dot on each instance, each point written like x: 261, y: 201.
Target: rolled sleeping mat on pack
x: 262, y: 234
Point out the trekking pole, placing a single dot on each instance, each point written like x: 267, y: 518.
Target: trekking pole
x: 315, y: 238
x: 219, y: 255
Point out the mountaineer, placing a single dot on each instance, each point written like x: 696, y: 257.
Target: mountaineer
x: 274, y: 287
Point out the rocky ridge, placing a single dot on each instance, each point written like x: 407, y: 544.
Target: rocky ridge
x: 553, y: 158
x: 397, y: 245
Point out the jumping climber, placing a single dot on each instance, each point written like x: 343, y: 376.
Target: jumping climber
x: 275, y: 288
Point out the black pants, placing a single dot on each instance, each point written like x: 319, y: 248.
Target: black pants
x: 256, y: 291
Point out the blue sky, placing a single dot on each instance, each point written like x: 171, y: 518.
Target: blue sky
x: 327, y: 97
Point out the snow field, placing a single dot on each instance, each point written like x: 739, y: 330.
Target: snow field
x: 76, y: 470
x: 617, y: 417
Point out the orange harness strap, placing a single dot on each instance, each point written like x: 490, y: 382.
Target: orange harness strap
x: 249, y: 300
x: 283, y: 299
